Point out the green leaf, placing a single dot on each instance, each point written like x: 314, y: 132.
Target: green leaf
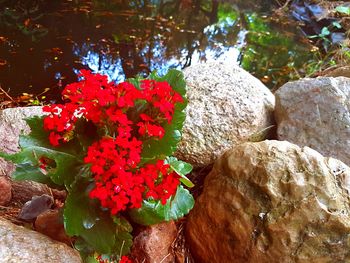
x: 27, y: 163
x: 123, y: 242
x: 181, y: 168
x: 135, y: 82
x: 86, y: 134
x: 175, y: 78
x: 26, y: 171
x: 102, y: 235
x: 80, y: 212
x: 155, y: 148
x: 343, y: 9
x: 83, y: 217
x: 84, y: 249
x: 35, y: 146
x: 181, y: 205
x: 37, y: 136
x: 91, y: 259
x: 153, y: 212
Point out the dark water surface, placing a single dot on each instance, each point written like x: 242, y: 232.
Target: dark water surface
x: 44, y: 43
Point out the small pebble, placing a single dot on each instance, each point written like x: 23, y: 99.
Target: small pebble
x: 35, y: 207
x: 5, y: 191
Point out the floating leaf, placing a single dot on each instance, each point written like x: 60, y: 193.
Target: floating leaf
x: 343, y: 9
x: 336, y: 24
x: 325, y: 32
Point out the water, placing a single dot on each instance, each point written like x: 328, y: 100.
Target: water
x: 43, y: 44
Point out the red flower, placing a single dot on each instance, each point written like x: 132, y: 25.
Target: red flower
x: 125, y: 259
x: 54, y: 138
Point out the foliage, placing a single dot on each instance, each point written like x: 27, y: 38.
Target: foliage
x: 271, y: 55
x: 108, y: 147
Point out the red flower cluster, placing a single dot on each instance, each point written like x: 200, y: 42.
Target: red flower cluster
x: 128, y: 116
x: 118, y: 184
x: 124, y: 259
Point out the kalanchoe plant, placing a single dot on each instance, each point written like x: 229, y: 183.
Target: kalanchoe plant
x: 110, y: 145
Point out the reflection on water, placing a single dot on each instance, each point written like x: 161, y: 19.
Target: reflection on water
x: 44, y: 43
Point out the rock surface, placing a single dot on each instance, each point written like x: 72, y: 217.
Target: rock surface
x: 271, y: 201
x: 226, y: 106
x: 153, y: 244
x: 50, y: 223
x: 32, y: 208
x: 315, y: 113
x: 20, y: 245
x: 338, y: 72
x: 12, y: 124
x: 5, y: 190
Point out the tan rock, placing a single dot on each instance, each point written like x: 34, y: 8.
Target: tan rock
x: 21, y: 245
x: 315, y: 113
x: 50, y: 224
x: 272, y: 202
x: 5, y: 190
x: 226, y: 106
x: 153, y: 244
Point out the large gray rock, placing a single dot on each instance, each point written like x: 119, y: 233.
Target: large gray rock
x: 273, y: 202
x: 226, y: 106
x: 20, y: 245
x: 12, y: 124
x: 315, y: 113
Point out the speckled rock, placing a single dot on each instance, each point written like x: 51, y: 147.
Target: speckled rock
x: 272, y: 201
x: 315, y: 113
x: 153, y: 244
x: 20, y: 245
x: 226, y: 106
x: 12, y: 124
